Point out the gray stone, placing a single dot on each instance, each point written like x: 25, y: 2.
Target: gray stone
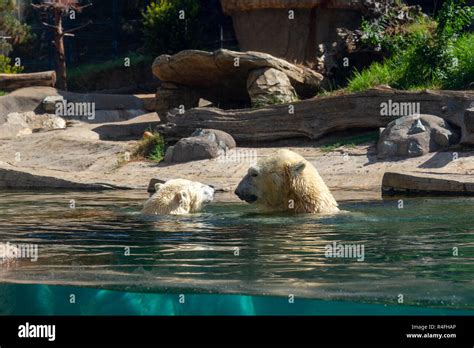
x: 268, y: 86
x: 417, y: 127
x: 416, y: 135
x: 202, y: 144
x: 49, y: 103
x: 223, y: 139
x: 415, y: 149
x: 469, y: 120
x: 221, y: 77
x: 192, y: 149
x: 24, y: 123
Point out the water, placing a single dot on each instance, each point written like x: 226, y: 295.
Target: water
x: 231, y: 260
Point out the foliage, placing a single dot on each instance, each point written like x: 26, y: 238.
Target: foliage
x: 2, y: 93
x: 6, y: 66
x: 165, y: 31
x: 425, y: 55
x: 152, y: 148
x: 10, y: 26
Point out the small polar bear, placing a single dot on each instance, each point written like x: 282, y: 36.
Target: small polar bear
x: 178, y: 197
x: 285, y: 181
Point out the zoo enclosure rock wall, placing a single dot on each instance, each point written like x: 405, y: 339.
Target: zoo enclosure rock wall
x: 264, y: 25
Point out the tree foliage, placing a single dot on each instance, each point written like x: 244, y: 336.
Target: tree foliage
x: 10, y: 26
x: 426, y: 54
x: 171, y: 25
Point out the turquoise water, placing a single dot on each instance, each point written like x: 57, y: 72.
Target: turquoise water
x: 231, y: 260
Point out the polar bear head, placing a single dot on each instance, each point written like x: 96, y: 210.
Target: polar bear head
x: 177, y: 197
x: 285, y: 181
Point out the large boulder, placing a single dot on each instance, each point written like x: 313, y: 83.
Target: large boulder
x: 416, y: 135
x: 221, y: 77
x: 24, y: 123
x: 202, y: 144
x: 268, y: 86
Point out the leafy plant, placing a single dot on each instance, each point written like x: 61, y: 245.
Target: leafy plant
x: 6, y: 66
x: 171, y: 25
x: 426, y: 55
x: 10, y: 26
x: 152, y: 148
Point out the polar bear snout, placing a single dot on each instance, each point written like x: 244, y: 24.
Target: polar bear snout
x: 245, y: 190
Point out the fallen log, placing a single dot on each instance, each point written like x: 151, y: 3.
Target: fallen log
x: 319, y: 116
x: 10, y: 82
x: 427, y: 184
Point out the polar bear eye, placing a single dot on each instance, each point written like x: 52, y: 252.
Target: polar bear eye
x: 254, y: 175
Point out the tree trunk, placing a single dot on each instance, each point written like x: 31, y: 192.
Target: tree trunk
x: 10, y: 82
x: 319, y: 116
x: 60, y: 52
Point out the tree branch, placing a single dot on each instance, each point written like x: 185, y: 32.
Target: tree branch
x: 49, y: 25
x: 78, y: 28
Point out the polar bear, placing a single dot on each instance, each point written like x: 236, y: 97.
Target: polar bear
x: 285, y: 181
x: 178, y: 197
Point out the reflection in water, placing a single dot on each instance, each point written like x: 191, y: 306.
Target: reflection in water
x: 229, y: 249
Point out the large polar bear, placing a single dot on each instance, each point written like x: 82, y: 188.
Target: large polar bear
x: 178, y: 197
x: 285, y: 181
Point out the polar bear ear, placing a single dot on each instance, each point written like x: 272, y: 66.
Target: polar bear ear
x: 158, y: 186
x: 298, y: 168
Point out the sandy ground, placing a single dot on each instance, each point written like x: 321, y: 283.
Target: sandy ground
x: 78, y: 155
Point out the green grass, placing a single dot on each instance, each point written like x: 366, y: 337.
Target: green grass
x: 350, y: 142
x: 396, y: 71
x: 425, y: 54
x: 464, y: 72
x: 2, y: 93
x: 152, y: 148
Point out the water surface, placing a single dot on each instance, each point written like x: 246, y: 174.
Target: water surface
x: 424, y: 252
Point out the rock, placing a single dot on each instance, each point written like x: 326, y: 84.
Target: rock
x: 316, y: 117
x: 202, y: 144
x: 268, y: 86
x: 221, y: 77
x: 416, y: 135
x: 469, y: 120
x: 419, y: 183
x: 108, y: 108
x: 49, y: 103
x: 417, y: 127
x: 203, y: 103
x: 223, y: 139
x: 192, y: 149
x: 267, y: 25
x: 19, y: 124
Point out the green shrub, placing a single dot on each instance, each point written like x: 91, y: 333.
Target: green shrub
x: 426, y: 56
x: 152, y: 148
x: 10, y: 26
x: 6, y: 66
x: 462, y: 75
x: 2, y: 93
x: 165, y: 32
